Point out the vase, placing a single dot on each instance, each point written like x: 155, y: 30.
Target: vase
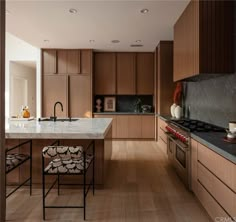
x: 178, y: 112
x: 172, y: 109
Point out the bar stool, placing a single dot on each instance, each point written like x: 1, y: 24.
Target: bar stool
x: 67, y: 160
x: 16, y: 159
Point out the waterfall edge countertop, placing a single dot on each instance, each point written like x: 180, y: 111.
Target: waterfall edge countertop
x: 83, y: 128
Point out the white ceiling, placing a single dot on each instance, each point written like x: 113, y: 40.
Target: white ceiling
x: 103, y: 21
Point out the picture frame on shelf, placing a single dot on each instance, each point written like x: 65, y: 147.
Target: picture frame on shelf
x: 110, y: 104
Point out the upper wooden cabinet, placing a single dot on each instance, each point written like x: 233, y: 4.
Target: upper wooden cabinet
x: 86, y: 56
x: 203, y: 39
x: 164, y: 77
x: 105, y: 73
x: 67, y: 61
x: 145, y: 73
x: 49, y: 57
x: 126, y: 74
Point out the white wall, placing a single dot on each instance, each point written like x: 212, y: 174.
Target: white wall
x: 19, y: 50
x: 22, y: 87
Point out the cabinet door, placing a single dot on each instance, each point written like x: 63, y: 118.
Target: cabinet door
x: 105, y: 73
x: 73, y: 61
x: 126, y: 74
x: 194, y: 166
x: 145, y: 73
x: 49, y: 61
x: 135, y: 126
x: 86, y: 61
x: 122, y: 126
x: 62, y: 61
x: 148, y: 127
x: 55, y: 89
x: 186, y: 43
x: 80, y: 96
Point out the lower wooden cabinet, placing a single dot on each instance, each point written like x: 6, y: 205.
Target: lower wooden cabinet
x: 131, y: 126
x: 213, y: 181
x: 162, y: 138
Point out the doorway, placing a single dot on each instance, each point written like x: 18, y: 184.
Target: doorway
x: 22, y: 87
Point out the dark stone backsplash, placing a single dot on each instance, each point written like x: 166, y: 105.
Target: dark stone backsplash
x: 213, y: 100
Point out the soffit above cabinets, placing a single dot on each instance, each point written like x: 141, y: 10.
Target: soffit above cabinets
x: 49, y: 24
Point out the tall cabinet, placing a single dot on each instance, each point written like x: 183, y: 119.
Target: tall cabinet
x: 67, y: 77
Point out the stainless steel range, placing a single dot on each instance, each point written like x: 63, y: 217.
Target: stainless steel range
x: 178, y: 144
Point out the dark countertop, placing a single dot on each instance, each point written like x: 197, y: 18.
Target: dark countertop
x: 215, y: 142
x: 122, y: 113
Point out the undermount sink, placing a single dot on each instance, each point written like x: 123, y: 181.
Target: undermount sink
x: 58, y: 119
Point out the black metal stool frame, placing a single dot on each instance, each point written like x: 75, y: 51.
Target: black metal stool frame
x: 85, y: 191
x: 30, y: 159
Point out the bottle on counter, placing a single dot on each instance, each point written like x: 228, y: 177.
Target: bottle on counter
x: 25, y: 112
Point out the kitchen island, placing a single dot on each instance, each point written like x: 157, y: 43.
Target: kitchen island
x: 79, y: 132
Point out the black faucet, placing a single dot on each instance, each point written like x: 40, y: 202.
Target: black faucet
x: 54, y: 117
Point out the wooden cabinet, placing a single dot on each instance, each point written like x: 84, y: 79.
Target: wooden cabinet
x: 122, y: 126
x: 134, y: 126
x: 131, y: 126
x: 86, y: 61
x: 49, y: 57
x: 126, y: 74
x: 164, y: 81
x: 162, y: 138
x: 194, y: 164
x: 73, y: 84
x: 73, y: 61
x: 55, y: 89
x: 68, y: 61
x: 203, y: 39
x: 145, y: 73
x: 105, y: 73
x: 113, y: 122
x: 80, y: 96
x: 148, y: 127
x: 213, y: 181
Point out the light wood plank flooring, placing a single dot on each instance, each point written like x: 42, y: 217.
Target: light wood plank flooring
x: 141, y: 187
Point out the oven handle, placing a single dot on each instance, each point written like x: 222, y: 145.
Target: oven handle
x: 176, y: 141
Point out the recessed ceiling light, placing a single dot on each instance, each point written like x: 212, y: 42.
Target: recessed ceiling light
x: 72, y: 10
x: 136, y: 45
x: 138, y: 41
x: 91, y: 41
x: 144, y: 11
x: 115, y: 41
x: 46, y: 40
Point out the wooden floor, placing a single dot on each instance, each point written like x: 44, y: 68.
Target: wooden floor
x: 141, y: 187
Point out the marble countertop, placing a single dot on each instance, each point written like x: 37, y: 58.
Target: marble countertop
x: 84, y: 128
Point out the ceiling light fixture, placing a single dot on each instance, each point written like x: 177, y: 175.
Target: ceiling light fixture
x: 115, y: 41
x: 138, y: 41
x: 72, y: 11
x: 46, y: 40
x: 136, y: 45
x: 144, y: 11
x: 91, y: 41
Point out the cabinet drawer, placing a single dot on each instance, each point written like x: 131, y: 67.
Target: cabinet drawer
x: 211, y: 206
x: 162, y: 144
x: 162, y: 124
x: 224, y: 196
x: 218, y: 165
x: 162, y: 134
